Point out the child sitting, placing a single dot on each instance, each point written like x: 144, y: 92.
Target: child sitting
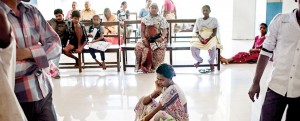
x: 99, y: 36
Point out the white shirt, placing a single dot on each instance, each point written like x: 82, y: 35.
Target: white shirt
x: 9, y: 106
x: 283, y: 39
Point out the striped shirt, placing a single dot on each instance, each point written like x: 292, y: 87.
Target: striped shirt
x: 32, y: 31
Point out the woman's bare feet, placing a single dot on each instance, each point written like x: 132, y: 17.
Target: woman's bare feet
x: 224, y: 60
x: 144, y: 69
x: 197, y: 64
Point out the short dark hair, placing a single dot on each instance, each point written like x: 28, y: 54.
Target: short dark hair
x: 264, y: 24
x: 58, y: 11
x: 166, y: 70
x: 76, y: 13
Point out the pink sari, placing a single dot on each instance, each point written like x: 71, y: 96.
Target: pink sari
x: 251, y: 57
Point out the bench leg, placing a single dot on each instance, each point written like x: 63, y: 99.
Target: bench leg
x: 79, y: 62
x: 218, y: 59
x: 118, y: 60
x: 83, y: 58
x: 171, y: 57
x: 124, y: 63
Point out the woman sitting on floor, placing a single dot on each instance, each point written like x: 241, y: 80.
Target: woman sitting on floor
x: 150, y: 51
x: 253, y: 54
x: 172, y: 104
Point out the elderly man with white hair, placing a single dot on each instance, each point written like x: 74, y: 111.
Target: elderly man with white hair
x: 87, y: 13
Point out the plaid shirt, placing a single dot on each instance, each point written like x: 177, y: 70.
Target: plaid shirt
x: 32, y: 31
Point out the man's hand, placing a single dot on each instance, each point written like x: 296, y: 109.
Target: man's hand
x: 23, y: 54
x: 5, y: 30
x: 78, y: 50
x: 254, y: 90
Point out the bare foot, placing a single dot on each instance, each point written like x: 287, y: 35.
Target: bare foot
x: 103, y: 65
x: 197, y: 64
x: 224, y: 60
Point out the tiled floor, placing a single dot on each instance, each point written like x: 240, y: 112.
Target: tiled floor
x: 97, y: 95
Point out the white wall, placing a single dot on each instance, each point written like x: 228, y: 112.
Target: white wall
x: 244, y: 13
x: 261, y: 10
x: 288, y: 6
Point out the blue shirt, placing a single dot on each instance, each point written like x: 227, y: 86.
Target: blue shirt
x: 143, y: 12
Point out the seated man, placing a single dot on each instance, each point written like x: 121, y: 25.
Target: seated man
x: 58, y: 24
x: 77, y: 36
x: 98, y: 37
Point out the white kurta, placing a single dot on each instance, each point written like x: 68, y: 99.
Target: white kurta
x: 10, y: 109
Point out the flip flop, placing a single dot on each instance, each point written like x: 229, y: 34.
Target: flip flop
x: 203, y: 71
x: 207, y: 70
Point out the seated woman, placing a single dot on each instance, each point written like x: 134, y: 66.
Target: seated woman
x: 77, y: 36
x: 150, y: 51
x: 253, y: 54
x: 172, y: 104
x: 98, y: 37
x: 206, y: 30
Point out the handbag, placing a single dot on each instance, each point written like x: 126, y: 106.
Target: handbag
x: 153, y: 38
x: 156, y: 45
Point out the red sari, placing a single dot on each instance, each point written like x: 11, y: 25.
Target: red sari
x: 250, y: 57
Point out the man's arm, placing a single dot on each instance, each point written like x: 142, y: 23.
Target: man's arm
x: 49, y: 47
x: 266, y: 53
x: 5, y: 30
x: 260, y: 68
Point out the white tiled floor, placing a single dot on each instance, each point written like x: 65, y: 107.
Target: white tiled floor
x: 97, y: 95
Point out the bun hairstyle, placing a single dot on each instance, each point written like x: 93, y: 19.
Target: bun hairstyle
x: 166, y: 70
x: 206, y: 6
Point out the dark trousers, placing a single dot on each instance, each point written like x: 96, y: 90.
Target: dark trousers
x: 41, y: 110
x: 275, y: 104
x: 93, y: 51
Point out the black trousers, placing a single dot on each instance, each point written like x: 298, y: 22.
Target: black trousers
x: 275, y: 104
x: 41, y: 110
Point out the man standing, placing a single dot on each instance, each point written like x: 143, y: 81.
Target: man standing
x: 10, y: 109
x: 283, y: 42
x: 37, y: 44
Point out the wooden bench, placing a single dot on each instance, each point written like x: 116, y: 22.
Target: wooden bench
x: 175, y: 46
x: 111, y: 49
x: 170, y: 47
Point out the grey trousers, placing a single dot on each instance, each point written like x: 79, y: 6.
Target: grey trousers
x: 196, y: 54
x: 275, y: 104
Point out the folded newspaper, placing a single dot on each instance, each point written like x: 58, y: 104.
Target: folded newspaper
x: 101, y: 45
